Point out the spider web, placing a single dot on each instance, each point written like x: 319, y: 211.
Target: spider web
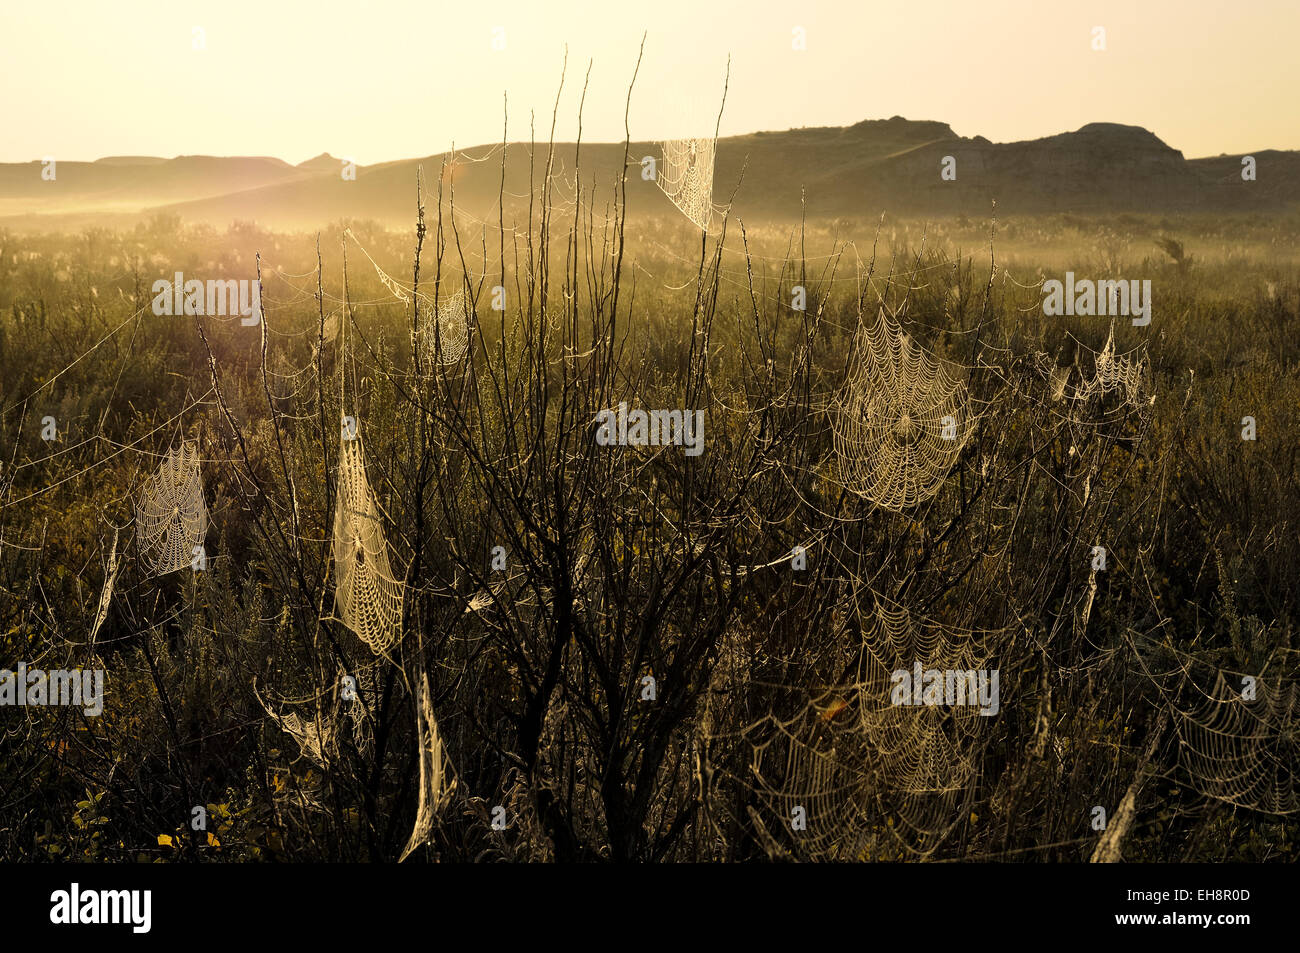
x: 106, y: 594
x: 1243, y: 752
x: 363, y: 734
x: 1113, y: 373
x: 366, y: 594
x: 436, y: 782
x: 686, y: 177
x: 891, y: 417
x: 170, y: 514
x: 315, y: 737
x: 860, y: 765
x: 443, y: 333
x: 445, y: 338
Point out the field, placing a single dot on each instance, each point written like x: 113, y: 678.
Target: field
x: 472, y: 632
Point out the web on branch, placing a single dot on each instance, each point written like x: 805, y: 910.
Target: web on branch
x: 860, y: 766
x: 686, y: 177
x: 444, y: 331
x: 106, y: 594
x: 436, y: 782
x: 170, y: 514
x: 315, y: 737
x: 1112, y: 373
x: 366, y: 595
x: 901, y: 419
x: 1244, y: 752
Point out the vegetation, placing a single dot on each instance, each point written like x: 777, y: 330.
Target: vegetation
x: 630, y: 563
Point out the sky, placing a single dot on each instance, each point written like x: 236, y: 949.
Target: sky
x: 391, y: 79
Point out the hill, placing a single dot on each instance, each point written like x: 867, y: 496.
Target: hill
x: 851, y: 171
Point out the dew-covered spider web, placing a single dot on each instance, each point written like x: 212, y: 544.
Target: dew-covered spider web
x: 1244, y: 752
x: 1112, y: 373
x: 444, y: 340
x: 315, y: 736
x: 363, y: 732
x: 901, y: 419
x: 873, y: 777
x: 106, y: 594
x: 170, y: 515
x: 443, y: 330
x: 436, y: 781
x: 367, y: 597
x: 686, y: 177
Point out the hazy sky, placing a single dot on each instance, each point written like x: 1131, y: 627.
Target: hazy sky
x: 390, y: 79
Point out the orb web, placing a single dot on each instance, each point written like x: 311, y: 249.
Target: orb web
x: 170, y: 514
x: 926, y: 754
x: 367, y: 597
x: 444, y: 333
x: 901, y: 419
x: 436, y: 782
x: 686, y: 177
x: 863, y: 768
x: 1244, y: 752
x: 1112, y: 373
x: 1118, y: 373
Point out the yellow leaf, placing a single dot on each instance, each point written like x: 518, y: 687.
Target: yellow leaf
x: 212, y: 840
x: 164, y: 840
x: 836, y: 706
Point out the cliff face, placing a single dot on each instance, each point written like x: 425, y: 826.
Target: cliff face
x: 1101, y: 167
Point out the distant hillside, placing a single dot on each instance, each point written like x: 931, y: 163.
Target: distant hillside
x: 131, y: 160
x: 133, y: 183
x: 322, y: 163
x: 860, y: 170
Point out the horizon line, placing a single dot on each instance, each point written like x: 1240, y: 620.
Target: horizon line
x: 491, y: 145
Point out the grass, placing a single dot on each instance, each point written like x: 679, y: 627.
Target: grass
x: 633, y: 563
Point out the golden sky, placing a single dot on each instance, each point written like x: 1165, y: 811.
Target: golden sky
x: 391, y: 79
